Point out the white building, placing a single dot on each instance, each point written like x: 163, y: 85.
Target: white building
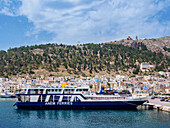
x: 145, y: 66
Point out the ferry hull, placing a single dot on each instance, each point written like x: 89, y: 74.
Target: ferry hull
x: 80, y: 105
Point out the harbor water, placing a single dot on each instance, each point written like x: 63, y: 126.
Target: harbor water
x: 11, y: 117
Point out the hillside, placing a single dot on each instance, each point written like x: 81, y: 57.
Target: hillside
x: 155, y: 45
x: 86, y: 60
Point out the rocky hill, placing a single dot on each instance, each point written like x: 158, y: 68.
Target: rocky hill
x: 155, y: 45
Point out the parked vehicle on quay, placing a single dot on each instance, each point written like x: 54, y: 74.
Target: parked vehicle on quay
x: 162, y: 99
x: 167, y: 100
x: 153, y: 97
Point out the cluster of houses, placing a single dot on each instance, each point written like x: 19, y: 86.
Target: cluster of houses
x: 145, y: 84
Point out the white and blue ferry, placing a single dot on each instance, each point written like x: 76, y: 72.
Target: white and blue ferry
x: 74, y: 98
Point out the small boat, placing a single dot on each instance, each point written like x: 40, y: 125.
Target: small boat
x: 7, y: 95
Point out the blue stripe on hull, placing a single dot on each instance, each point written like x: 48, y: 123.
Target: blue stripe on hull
x: 79, y: 105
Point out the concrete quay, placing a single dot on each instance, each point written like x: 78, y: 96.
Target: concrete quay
x: 157, y: 104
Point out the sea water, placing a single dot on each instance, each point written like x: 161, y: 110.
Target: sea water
x: 11, y: 117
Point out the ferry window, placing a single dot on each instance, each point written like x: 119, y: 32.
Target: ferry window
x: 52, y: 90
x: 36, y: 91
x: 60, y: 90
x: 66, y: 89
x: 29, y: 91
x: 56, y: 98
x: 47, y: 91
x: 41, y: 90
x: 80, y: 90
x: 33, y: 91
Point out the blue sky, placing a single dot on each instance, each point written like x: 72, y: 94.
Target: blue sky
x: 29, y: 22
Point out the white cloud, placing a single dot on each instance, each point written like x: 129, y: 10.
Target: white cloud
x: 9, y: 7
x: 95, y: 20
x: 72, y: 1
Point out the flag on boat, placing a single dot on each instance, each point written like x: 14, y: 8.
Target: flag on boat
x: 144, y: 87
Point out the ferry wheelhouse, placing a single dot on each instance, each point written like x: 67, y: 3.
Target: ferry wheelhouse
x: 74, y: 98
